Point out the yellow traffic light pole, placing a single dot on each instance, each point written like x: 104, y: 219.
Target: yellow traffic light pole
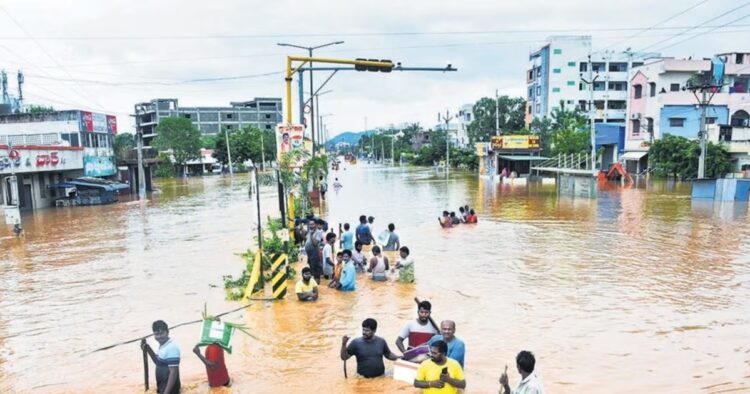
x: 290, y: 70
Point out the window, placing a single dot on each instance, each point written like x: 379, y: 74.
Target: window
x: 555, y: 90
x: 538, y: 90
x: 739, y: 58
x: 583, y: 67
x: 597, y: 67
x: 599, y: 86
x: 268, y: 116
x: 268, y: 127
x: 187, y: 116
x: 569, y: 102
x: 674, y: 87
x: 531, y: 75
x: 652, y: 89
x: 599, y: 104
x: 228, y: 127
x: 571, y: 83
x: 650, y: 125
x: 556, y: 70
x: 557, y: 51
x: 618, y: 86
x: 571, y: 64
x: 531, y: 93
x: 582, y: 86
x: 229, y: 116
x: 539, y: 72
x: 582, y: 104
x: 636, y: 126
x: 637, y: 91
x: 538, y: 108
x: 616, y: 104
x: 711, y: 120
x: 676, y: 122
x: 618, y: 67
x: 637, y: 64
x: 529, y: 110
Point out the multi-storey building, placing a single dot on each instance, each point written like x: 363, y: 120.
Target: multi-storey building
x: 261, y: 112
x: 45, y: 149
x: 554, y: 78
x: 660, y: 103
x: 464, y: 117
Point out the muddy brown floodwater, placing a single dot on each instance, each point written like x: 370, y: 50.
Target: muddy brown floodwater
x: 641, y: 290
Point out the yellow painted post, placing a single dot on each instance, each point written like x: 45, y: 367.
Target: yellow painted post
x: 279, y: 275
x: 254, y: 275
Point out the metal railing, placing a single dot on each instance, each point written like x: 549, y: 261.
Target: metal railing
x: 573, y: 161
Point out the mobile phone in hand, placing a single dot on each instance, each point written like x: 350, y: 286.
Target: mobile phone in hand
x: 445, y: 370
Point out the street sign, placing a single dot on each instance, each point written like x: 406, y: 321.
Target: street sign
x: 12, y: 214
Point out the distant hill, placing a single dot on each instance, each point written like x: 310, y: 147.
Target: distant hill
x: 350, y: 137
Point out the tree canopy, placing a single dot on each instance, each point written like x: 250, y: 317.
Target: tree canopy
x: 180, y: 138
x: 245, y: 145
x: 678, y: 157
x: 512, y: 117
x: 122, y: 145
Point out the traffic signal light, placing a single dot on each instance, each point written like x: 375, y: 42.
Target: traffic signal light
x: 359, y: 67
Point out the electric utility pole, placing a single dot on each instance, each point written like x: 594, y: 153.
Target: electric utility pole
x: 312, y: 107
x: 447, y: 118
x: 592, y: 113
x: 139, y: 146
x: 497, y: 113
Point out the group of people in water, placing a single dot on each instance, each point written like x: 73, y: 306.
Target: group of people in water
x: 341, y: 267
x: 438, y: 351
x: 465, y: 215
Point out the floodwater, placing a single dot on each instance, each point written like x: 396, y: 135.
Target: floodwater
x: 641, y: 290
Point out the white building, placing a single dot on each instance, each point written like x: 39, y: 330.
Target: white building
x: 45, y: 149
x: 554, y: 78
x: 465, y: 115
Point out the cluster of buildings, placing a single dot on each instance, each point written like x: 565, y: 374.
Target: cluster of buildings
x: 638, y: 97
x: 43, y: 156
x: 644, y: 93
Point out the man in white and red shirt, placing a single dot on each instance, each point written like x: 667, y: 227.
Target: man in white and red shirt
x: 418, y: 331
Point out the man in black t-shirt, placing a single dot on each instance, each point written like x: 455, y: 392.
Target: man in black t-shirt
x: 369, y: 350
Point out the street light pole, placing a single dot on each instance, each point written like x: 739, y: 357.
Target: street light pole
x: 229, y: 152
x: 312, y: 107
x: 447, y: 118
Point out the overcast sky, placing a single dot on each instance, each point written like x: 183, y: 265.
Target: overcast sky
x: 106, y: 55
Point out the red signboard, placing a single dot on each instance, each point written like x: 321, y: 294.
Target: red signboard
x: 112, y: 124
x: 87, y: 122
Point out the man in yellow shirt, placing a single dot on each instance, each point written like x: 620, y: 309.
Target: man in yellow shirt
x: 440, y: 374
x: 307, y: 288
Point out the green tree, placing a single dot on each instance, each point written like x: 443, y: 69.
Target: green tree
x: 570, y: 131
x: 678, y: 157
x: 208, y: 141
x: 180, y: 138
x: 245, y: 145
x: 512, y: 117
x: 122, y: 145
x: 543, y: 128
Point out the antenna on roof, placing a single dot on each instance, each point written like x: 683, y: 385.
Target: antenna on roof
x: 20, y: 87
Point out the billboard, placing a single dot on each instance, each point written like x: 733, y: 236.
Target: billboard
x: 289, y: 137
x: 98, y: 166
x: 98, y: 123
x: 503, y: 142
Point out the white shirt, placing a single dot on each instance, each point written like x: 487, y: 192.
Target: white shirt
x: 530, y: 385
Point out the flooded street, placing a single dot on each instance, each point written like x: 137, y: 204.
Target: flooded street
x: 641, y: 290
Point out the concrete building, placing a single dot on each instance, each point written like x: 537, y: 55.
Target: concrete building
x: 464, y: 117
x: 45, y: 149
x: 261, y: 112
x: 554, y: 78
x: 660, y: 104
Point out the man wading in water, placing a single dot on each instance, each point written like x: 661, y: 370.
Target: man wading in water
x: 369, y: 350
x: 167, y: 360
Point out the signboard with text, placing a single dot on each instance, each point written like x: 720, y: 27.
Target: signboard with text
x: 99, y: 166
x: 35, y: 160
x: 503, y: 142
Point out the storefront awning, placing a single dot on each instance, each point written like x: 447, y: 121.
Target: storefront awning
x: 633, y: 156
x: 522, y: 158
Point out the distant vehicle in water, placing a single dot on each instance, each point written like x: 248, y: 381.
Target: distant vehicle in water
x: 89, y: 191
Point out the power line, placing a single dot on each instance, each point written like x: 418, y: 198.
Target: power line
x: 86, y: 97
x: 702, y: 33
x: 654, y: 26
x: 696, y: 26
x: 183, y: 82
x: 363, y: 34
x: 356, y: 50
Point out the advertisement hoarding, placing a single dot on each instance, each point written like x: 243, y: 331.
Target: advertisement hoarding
x: 502, y: 142
x: 289, y: 137
x: 99, y: 166
x: 98, y: 123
